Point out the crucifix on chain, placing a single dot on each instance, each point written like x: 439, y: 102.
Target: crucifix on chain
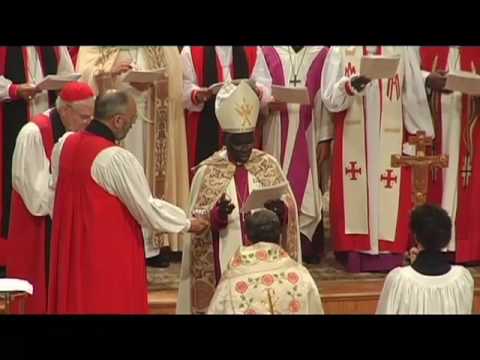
x: 420, y: 164
x: 295, y: 80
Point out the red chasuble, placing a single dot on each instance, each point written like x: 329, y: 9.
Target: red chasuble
x: 98, y: 258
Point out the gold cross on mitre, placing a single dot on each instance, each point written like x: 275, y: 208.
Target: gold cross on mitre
x: 420, y: 164
x: 245, y: 111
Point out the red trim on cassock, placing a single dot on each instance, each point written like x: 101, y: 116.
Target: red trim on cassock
x: 13, y: 92
x: 27, y: 238
x: 467, y: 224
x: 97, y: 258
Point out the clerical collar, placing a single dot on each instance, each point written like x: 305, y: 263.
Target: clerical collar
x: 98, y: 128
x: 432, y: 263
x: 297, y: 49
x: 57, y: 125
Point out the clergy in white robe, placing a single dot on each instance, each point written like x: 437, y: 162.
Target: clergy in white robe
x: 208, y: 65
x: 369, y: 200
x: 32, y: 197
x: 430, y: 285
x: 262, y: 278
x: 455, y: 116
x: 20, y: 69
x: 220, y: 188
x: 166, y: 169
x: 296, y: 134
x: 102, y: 199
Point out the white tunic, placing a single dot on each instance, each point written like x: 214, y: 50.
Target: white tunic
x: 118, y: 172
x: 260, y: 74
x: 408, y: 292
x: 310, y: 210
x: 263, y: 279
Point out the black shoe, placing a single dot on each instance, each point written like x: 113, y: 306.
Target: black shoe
x: 311, y: 260
x: 159, y: 261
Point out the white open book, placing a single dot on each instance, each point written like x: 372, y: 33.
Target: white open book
x: 463, y: 81
x: 57, y: 82
x: 143, y: 77
x: 291, y: 95
x: 379, y: 66
x: 258, y: 197
x: 13, y: 285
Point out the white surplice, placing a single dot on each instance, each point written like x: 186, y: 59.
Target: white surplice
x: 406, y: 291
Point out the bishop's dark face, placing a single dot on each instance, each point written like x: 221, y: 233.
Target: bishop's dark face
x: 240, y: 146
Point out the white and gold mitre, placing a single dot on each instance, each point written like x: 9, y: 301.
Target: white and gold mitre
x: 237, y: 107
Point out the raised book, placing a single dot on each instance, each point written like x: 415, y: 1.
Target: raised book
x: 57, y: 82
x: 379, y: 66
x: 15, y: 285
x: 464, y: 82
x: 143, y: 77
x: 258, y: 197
x: 291, y: 95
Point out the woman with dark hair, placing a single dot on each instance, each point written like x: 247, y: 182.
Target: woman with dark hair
x: 430, y: 285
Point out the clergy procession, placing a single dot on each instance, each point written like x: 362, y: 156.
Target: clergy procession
x: 247, y: 167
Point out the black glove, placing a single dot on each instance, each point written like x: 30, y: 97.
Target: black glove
x: 225, y: 206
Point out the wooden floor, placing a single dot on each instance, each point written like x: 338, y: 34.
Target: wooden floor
x: 338, y: 297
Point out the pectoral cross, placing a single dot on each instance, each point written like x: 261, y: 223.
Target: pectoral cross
x: 295, y: 80
x: 420, y: 164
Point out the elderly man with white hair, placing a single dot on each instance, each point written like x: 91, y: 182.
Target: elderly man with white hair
x: 32, y: 198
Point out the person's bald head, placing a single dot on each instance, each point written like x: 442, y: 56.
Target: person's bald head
x: 263, y: 225
x: 117, y: 110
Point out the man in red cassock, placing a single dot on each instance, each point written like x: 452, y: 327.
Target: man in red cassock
x: 102, y: 201
x: 32, y: 196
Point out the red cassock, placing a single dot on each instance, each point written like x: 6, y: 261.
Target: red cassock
x: 98, y: 259
x: 28, y: 237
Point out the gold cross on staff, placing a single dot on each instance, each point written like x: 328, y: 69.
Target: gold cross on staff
x: 420, y: 164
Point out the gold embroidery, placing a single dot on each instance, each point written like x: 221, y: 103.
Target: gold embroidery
x: 218, y: 175
x: 245, y: 112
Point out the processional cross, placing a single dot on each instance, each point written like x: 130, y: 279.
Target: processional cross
x: 420, y: 164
